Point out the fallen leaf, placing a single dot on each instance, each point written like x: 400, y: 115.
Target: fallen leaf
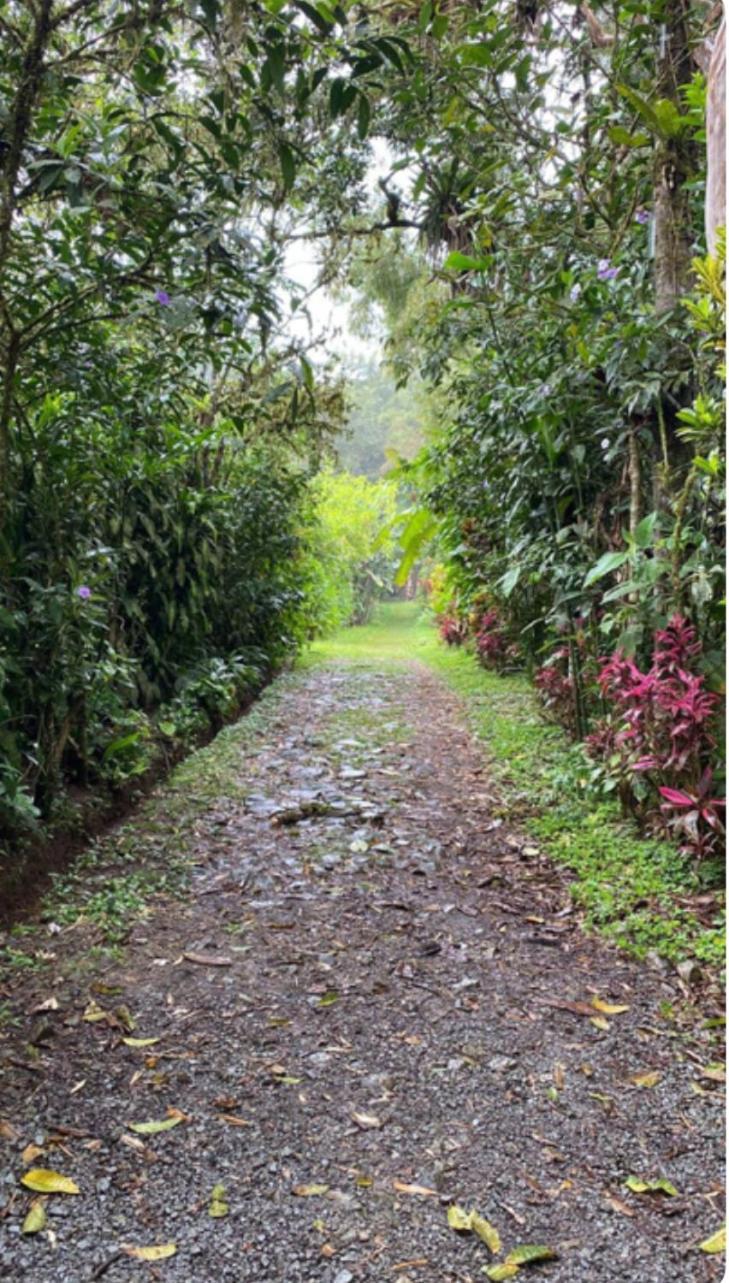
x: 528, y: 1252
x: 50, y: 1004
x: 139, y: 1042
x: 309, y: 1191
x: 716, y: 1243
x: 31, y: 1152
x: 715, y: 1072
x: 366, y: 1121
x: 618, y: 1204
x: 94, y: 1012
x: 328, y: 999
x: 151, y: 1129
x: 218, y: 1203
x: 646, y: 1080
x: 403, y: 1188
x: 46, y: 1181
x: 499, y: 1272
x: 36, y: 1218
x: 409, y: 1265
x: 209, y: 959
x: 7, y: 1131
x: 486, y: 1232
x: 234, y: 1120
x: 599, y: 1022
x: 608, y: 1008
x: 158, y: 1253
x: 458, y: 1219
x: 558, y: 1076
x: 660, y: 1186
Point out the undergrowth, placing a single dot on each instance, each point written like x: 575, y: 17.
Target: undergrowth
x: 630, y: 888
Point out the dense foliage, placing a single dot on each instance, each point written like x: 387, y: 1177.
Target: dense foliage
x: 530, y: 257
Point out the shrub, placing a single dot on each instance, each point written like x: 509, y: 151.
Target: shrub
x: 493, y: 647
x: 659, y: 735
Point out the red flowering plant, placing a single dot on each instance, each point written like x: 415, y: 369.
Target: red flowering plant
x: 453, y: 630
x: 661, y: 730
x: 557, y: 688
x: 493, y: 647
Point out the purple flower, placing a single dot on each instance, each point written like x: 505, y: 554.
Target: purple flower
x: 163, y: 298
x: 84, y: 592
x: 575, y: 292
x: 605, y: 272
x: 642, y: 216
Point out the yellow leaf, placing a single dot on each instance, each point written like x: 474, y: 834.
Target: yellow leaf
x: 608, y: 1008
x: 139, y: 1042
x: 599, y: 1022
x: 661, y: 1186
x: 528, y: 1252
x: 36, y: 1218
x: 94, y: 1012
x: 646, y: 1080
x: 499, y: 1272
x: 717, y: 1242
x: 458, y: 1219
x: 486, y: 1232
x: 309, y: 1191
x: 45, y: 1181
x: 218, y: 1203
x: 151, y: 1129
x: 158, y: 1253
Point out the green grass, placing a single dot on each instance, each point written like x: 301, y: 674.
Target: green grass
x: 626, y: 885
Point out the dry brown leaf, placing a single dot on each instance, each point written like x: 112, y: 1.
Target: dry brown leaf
x: 618, y: 1204
x: 31, y: 1152
x: 365, y: 1121
x: 7, y: 1131
x: 209, y: 959
x: 646, y: 1080
x: 234, y: 1121
x: 403, y: 1188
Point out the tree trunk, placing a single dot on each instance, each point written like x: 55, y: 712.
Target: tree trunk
x: 674, y: 157
x: 715, y: 212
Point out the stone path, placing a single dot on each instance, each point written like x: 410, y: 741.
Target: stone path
x: 374, y: 1000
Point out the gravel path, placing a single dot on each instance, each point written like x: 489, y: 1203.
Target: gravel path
x: 374, y: 1000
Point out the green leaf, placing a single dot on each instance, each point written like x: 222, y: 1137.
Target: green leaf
x: 151, y: 1129
x: 322, y: 24
x: 35, y: 1219
x: 458, y: 1219
x: 529, y: 1252
x: 364, y: 115
x: 288, y: 165
x: 623, y: 137
x: 457, y: 262
x: 608, y: 562
x: 660, y: 1186
x: 486, y: 1232
x: 497, y: 1273
x: 643, y: 533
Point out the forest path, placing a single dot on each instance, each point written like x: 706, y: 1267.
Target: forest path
x: 372, y: 998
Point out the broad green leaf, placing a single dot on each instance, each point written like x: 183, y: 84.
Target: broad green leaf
x: 288, y: 165
x: 457, y: 262
x: 608, y: 562
x: 45, y: 1181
